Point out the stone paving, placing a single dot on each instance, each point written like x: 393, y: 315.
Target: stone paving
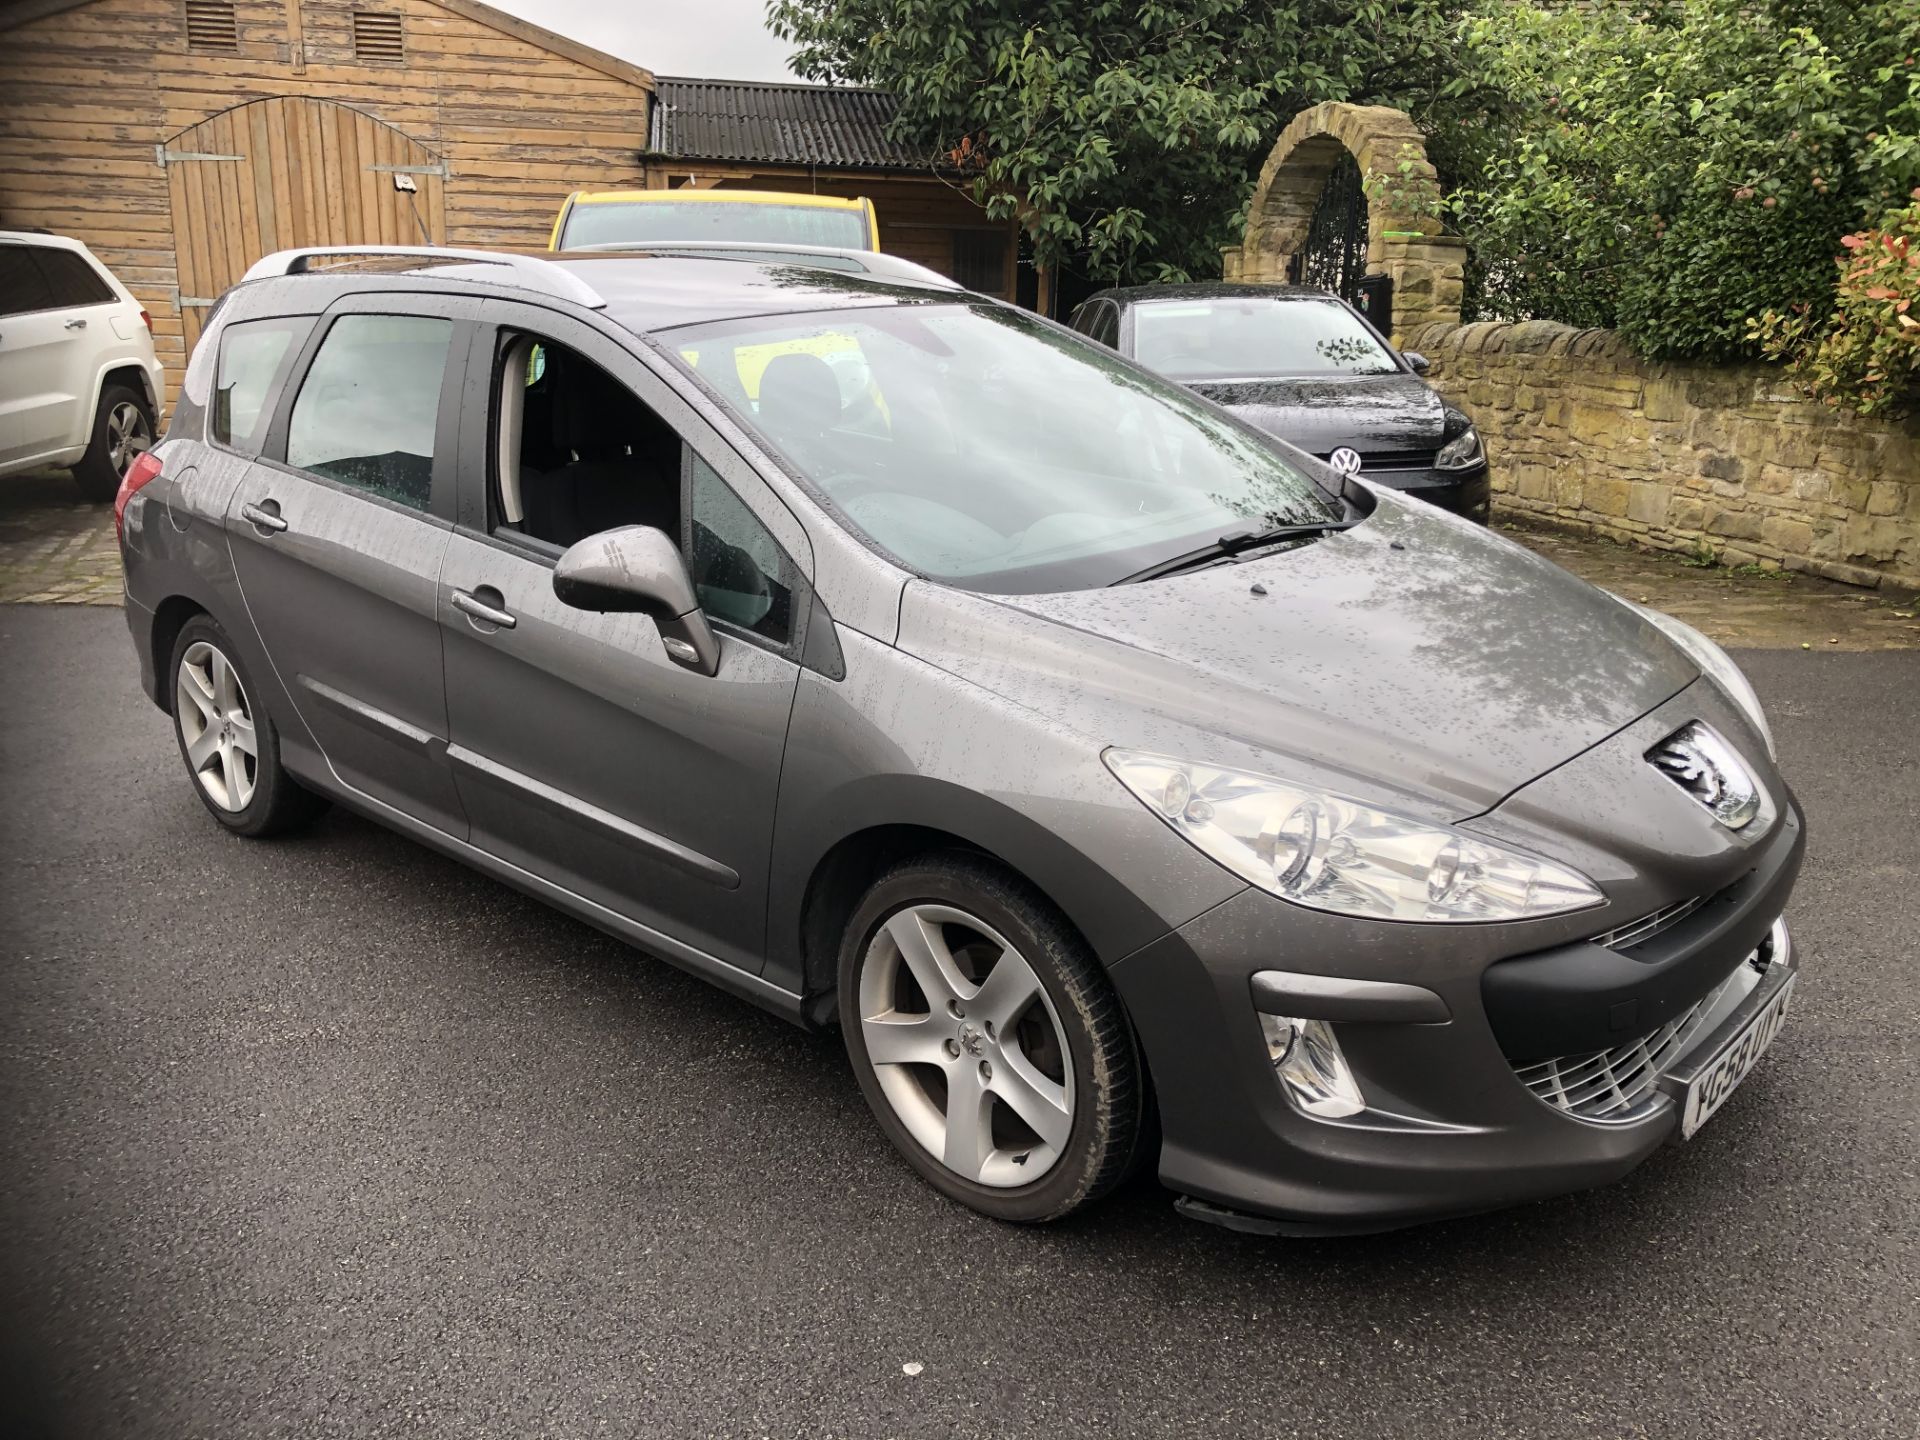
x: 56, y: 549
x: 1761, y: 610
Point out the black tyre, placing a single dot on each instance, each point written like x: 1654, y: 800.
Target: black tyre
x: 228, y: 740
x: 987, y: 1040
x: 122, y: 428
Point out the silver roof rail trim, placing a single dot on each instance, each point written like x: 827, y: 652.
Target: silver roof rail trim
x: 531, y: 272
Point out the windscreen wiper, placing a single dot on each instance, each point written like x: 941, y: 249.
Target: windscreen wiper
x: 1234, y: 543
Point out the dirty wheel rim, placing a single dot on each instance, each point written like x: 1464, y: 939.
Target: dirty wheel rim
x: 127, y: 435
x: 216, y: 727
x: 966, y: 1045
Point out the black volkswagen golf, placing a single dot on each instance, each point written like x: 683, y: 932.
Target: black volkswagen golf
x: 1306, y: 366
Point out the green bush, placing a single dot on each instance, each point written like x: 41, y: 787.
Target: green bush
x: 1672, y: 168
x: 1865, y: 350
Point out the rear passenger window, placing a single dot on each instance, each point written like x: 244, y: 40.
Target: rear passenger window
x: 251, y: 352
x: 23, y: 288
x: 370, y: 403
x: 72, y: 280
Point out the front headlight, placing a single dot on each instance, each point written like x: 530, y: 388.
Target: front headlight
x: 1714, y: 663
x: 1460, y: 453
x: 1331, y: 853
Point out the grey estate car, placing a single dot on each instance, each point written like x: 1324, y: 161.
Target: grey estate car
x: 1129, y: 787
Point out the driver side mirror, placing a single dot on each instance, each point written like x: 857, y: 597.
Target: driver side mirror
x: 638, y: 569
x: 1419, y: 363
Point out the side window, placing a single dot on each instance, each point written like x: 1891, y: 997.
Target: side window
x: 72, y: 280
x: 251, y: 352
x: 370, y: 403
x: 740, y: 573
x: 578, y: 452
x: 23, y: 289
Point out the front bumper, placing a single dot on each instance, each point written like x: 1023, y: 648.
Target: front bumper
x: 1464, y: 492
x: 1450, y: 1127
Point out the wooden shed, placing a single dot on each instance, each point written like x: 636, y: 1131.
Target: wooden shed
x: 830, y: 140
x: 183, y: 139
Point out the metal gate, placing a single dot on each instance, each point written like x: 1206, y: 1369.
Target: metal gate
x: 273, y: 174
x: 1335, y: 255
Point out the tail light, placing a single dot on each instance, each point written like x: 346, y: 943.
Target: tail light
x: 147, y: 320
x: 145, y: 466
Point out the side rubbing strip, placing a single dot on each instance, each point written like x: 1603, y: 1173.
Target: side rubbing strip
x: 657, y: 847
x: 374, y: 719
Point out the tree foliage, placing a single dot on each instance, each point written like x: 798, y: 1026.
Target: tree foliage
x: 1674, y: 167
x: 1123, y: 135
x: 1865, y: 351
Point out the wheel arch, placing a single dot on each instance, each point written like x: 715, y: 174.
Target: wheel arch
x: 169, y: 619
x: 884, y: 819
x: 134, y: 376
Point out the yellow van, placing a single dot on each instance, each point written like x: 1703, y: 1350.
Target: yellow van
x: 751, y: 217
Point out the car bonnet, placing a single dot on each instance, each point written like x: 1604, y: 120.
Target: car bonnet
x: 1415, y: 659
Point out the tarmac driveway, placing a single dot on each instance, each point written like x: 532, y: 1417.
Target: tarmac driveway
x: 332, y: 1137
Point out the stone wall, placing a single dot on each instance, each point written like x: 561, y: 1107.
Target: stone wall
x: 1585, y: 434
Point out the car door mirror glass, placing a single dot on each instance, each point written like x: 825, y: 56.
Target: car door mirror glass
x: 1418, y: 362
x: 637, y: 569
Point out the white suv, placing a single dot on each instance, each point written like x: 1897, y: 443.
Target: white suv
x: 79, y: 384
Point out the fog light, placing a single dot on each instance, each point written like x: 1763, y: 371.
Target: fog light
x: 1307, y: 1058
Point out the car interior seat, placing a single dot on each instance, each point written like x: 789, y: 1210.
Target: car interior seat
x: 612, y: 461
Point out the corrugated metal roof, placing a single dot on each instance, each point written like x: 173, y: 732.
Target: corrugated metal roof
x: 778, y: 124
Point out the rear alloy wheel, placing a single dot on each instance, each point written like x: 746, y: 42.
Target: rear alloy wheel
x: 987, y: 1040
x: 230, y: 746
x: 122, y: 430
x: 216, y: 728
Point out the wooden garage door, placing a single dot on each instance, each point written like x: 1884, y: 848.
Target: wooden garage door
x: 274, y: 174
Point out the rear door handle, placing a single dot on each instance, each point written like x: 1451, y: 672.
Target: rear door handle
x: 483, y: 603
x: 76, y: 324
x: 264, y: 518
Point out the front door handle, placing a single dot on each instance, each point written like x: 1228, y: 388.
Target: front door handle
x: 264, y: 518
x: 483, y: 603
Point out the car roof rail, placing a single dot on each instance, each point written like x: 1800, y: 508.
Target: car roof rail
x: 530, y: 272
x: 867, y: 262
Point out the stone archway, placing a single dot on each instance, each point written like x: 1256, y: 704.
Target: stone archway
x: 1404, y: 233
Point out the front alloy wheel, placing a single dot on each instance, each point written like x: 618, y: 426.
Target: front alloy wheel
x: 987, y: 1039
x: 966, y: 1045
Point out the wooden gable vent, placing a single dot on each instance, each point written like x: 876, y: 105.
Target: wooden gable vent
x: 211, y: 26
x: 377, y: 39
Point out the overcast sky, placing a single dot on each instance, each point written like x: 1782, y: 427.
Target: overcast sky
x: 717, y: 39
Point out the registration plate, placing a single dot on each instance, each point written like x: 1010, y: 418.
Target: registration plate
x: 1722, y: 1075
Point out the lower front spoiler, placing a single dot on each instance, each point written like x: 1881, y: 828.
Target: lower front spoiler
x: 1450, y: 1131
x: 1663, y: 1126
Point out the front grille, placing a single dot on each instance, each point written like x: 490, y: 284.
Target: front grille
x: 1379, y: 460
x: 1637, y: 932
x: 1623, y: 1084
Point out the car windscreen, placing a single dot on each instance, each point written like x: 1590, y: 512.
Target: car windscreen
x: 644, y: 222
x: 1244, y: 338
x: 984, y: 448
